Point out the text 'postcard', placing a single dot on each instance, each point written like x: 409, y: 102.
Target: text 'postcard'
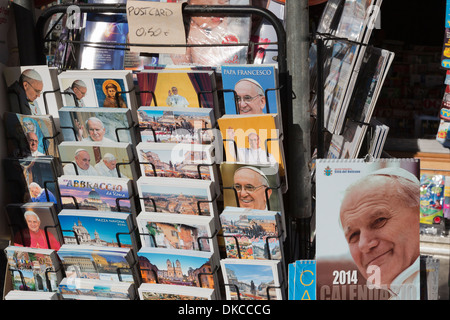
x: 153, y: 23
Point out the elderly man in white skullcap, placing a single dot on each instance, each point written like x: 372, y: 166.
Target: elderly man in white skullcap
x: 24, y: 92
x: 380, y: 217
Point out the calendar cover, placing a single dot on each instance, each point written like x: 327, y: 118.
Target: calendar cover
x: 368, y: 245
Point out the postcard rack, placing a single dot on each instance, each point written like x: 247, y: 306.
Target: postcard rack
x: 230, y: 10
x: 296, y: 248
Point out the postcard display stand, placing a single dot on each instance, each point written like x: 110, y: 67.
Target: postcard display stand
x: 155, y: 229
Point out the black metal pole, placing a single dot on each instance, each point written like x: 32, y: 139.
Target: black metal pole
x: 320, y: 100
x: 25, y: 29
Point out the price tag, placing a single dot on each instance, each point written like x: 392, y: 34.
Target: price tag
x: 155, y: 23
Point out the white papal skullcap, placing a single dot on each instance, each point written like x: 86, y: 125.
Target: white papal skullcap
x: 255, y: 170
x: 32, y: 74
x: 396, y: 172
x: 256, y: 83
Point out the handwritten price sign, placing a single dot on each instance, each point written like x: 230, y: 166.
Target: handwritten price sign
x: 155, y: 23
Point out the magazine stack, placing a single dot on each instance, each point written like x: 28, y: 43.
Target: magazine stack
x: 354, y: 74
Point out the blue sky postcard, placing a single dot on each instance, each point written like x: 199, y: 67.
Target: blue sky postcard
x: 252, y: 279
x: 178, y: 267
x: 105, y: 229
x: 255, y: 86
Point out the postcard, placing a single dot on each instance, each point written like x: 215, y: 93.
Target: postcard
x: 177, y: 88
x: 94, y: 262
x: 252, y: 187
x: 177, y: 267
x: 33, y: 90
x: 97, y: 124
x: 157, y: 291
x: 96, y: 193
x: 86, y: 158
x: 252, y: 234
x: 33, y: 179
x: 255, y: 86
x: 31, y: 135
x: 176, y: 124
x: 176, y: 196
x: 31, y: 295
x: 179, y: 160
x: 29, y: 268
x: 252, y: 279
x: 35, y: 225
x: 92, y: 289
x: 177, y: 231
x: 252, y: 139
x: 105, y: 229
x: 98, y: 89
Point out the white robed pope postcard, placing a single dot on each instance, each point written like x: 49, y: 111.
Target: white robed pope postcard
x: 368, y: 245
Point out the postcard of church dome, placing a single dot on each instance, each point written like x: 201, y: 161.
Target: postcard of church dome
x: 255, y: 86
x: 177, y: 124
x: 94, y: 228
x: 157, y: 291
x: 97, y: 124
x: 178, y: 267
x: 177, y: 88
x: 95, y: 262
x: 177, y: 196
x: 34, y: 225
x: 252, y: 279
x: 98, y: 159
x: 96, y: 193
x: 368, y: 229
x: 252, y: 234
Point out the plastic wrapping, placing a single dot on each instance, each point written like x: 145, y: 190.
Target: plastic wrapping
x: 207, y: 30
x: 431, y: 198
